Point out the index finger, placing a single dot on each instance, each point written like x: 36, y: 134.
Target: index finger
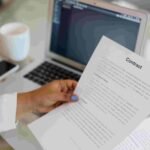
x: 71, y: 84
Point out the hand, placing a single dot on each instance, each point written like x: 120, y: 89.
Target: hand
x: 47, y: 97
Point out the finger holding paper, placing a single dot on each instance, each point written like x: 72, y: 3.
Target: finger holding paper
x: 47, y: 97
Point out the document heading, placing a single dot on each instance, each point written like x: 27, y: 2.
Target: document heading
x: 133, y: 63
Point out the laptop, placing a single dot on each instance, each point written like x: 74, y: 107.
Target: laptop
x: 74, y: 29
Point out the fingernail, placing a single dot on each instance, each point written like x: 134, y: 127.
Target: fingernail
x: 74, y: 98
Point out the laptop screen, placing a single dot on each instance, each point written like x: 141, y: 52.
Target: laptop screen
x: 77, y: 28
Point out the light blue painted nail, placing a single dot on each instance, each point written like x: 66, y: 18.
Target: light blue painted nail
x: 74, y: 98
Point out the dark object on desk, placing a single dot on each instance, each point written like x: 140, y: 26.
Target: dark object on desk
x: 47, y: 72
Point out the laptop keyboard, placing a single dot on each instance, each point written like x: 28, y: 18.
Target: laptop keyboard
x: 47, y: 72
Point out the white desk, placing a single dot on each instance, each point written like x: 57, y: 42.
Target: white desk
x: 33, y: 13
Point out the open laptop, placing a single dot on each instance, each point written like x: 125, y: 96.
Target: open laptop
x: 75, y: 27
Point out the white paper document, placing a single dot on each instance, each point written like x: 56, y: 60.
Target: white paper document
x: 114, y: 98
x: 139, y: 139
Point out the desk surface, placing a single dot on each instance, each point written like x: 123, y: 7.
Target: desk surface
x: 29, y: 12
x: 33, y: 13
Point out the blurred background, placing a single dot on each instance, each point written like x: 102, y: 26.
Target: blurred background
x: 31, y: 12
x: 141, y: 4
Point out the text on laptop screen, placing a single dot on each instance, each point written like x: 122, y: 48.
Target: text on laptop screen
x: 77, y: 28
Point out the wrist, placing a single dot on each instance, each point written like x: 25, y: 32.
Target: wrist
x: 24, y: 104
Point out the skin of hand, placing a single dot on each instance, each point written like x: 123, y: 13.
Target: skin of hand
x: 46, y: 98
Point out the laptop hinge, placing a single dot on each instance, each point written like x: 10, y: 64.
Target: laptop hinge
x: 67, y: 65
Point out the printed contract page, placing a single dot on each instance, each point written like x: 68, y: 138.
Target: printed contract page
x: 114, y: 98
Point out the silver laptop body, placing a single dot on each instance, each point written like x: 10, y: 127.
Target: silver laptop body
x: 73, y: 31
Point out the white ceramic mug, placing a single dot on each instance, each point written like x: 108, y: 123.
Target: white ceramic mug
x: 15, y: 41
